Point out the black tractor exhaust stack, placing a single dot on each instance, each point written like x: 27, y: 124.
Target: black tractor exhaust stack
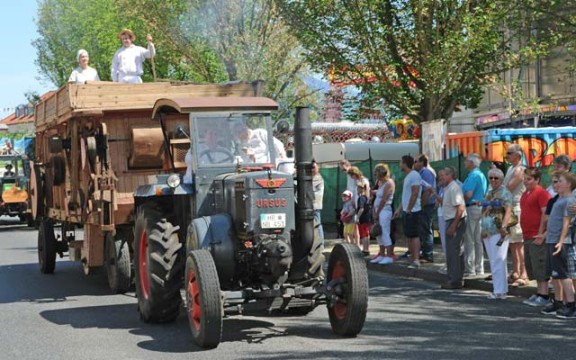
x: 304, y: 239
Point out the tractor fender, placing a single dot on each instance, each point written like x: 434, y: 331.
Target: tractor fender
x: 163, y: 190
x: 216, y: 234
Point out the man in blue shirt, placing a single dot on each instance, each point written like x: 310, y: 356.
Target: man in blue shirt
x: 428, y: 206
x: 474, y: 189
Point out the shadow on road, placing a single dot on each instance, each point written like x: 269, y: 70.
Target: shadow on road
x: 166, y: 338
x: 24, y: 282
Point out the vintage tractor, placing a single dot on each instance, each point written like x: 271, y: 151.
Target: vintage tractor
x: 233, y: 228
x: 94, y: 145
x: 14, y: 182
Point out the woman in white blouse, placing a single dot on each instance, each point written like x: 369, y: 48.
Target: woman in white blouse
x: 83, y: 72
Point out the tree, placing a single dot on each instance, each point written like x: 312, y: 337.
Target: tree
x: 253, y: 42
x: 64, y: 26
x: 423, y: 57
x: 196, y: 40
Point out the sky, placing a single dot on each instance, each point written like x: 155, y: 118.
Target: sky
x: 18, y: 74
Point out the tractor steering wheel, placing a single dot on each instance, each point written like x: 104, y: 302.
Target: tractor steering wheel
x: 209, y: 153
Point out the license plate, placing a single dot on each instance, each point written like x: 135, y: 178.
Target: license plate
x: 272, y: 221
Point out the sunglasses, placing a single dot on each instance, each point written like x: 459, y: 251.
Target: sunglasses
x: 554, y: 181
x: 509, y: 153
x: 494, y: 178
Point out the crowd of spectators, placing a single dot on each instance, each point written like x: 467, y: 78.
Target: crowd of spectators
x: 505, y: 215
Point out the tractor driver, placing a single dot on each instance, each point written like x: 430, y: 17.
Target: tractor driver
x: 8, y: 170
x: 253, y: 144
x: 211, y: 152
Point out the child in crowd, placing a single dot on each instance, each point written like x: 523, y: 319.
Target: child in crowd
x: 560, y: 250
x: 553, y: 306
x: 347, y: 216
x: 363, y: 218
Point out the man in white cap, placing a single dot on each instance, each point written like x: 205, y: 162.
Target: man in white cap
x: 128, y: 60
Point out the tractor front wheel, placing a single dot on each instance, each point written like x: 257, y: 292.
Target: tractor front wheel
x: 203, y: 299
x: 158, y: 266
x: 347, y: 282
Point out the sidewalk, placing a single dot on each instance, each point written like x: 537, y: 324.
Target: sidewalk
x: 429, y: 271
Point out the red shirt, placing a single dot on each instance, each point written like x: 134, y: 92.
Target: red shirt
x: 531, y: 204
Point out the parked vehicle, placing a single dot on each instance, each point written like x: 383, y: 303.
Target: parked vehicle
x: 14, y: 197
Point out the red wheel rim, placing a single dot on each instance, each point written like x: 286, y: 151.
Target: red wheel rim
x: 339, y: 308
x: 143, y: 264
x: 193, y: 299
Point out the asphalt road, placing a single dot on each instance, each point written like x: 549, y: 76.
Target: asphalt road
x: 69, y: 315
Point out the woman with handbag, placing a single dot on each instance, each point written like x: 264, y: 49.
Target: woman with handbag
x: 497, y: 218
x: 383, y: 214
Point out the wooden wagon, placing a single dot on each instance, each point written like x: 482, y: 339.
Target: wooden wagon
x: 95, y: 144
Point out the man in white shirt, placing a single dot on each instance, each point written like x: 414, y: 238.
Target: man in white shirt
x: 411, y: 208
x: 454, y: 212
x: 254, y: 145
x: 128, y: 60
x: 318, y: 187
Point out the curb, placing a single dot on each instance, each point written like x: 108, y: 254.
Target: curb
x: 429, y: 273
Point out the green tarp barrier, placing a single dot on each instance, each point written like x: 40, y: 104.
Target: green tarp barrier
x: 335, y: 180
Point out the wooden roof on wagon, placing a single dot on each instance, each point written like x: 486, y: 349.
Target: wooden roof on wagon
x: 95, y: 98
x: 184, y: 105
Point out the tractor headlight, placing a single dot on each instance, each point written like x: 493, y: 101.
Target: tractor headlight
x: 173, y: 181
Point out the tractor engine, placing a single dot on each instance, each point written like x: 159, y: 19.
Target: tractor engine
x: 261, y: 205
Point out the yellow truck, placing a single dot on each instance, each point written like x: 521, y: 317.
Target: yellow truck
x: 14, y: 197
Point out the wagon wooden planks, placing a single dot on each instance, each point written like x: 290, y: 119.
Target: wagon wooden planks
x: 89, y: 99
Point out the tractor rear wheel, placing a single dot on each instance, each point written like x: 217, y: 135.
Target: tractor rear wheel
x: 36, y: 191
x: 203, y: 299
x: 117, y: 262
x: 46, y: 247
x: 347, y: 279
x: 158, y: 266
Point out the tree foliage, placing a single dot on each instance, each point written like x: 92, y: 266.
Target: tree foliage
x: 427, y: 56
x: 65, y: 26
x: 196, y: 40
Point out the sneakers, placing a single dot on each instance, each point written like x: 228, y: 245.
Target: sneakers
x: 536, y: 300
x: 414, y: 265
x: 567, y: 312
x: 551, y: 308
x: 443, y: 270
x: 386, y: 260
x: 376, y: 259
x: 494, y: 296
x: 406, y: 255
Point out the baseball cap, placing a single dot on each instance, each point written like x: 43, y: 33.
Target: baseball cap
x: 347, y: 193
